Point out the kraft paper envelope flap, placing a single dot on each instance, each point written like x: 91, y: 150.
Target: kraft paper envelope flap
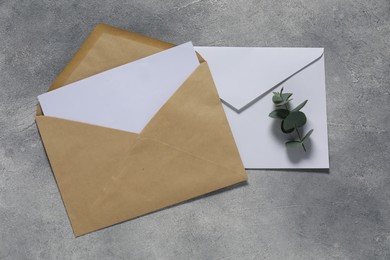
x: 245, y: 78
x: 107, y: 176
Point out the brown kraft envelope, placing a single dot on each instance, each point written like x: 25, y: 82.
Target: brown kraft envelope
x: 108, y: 176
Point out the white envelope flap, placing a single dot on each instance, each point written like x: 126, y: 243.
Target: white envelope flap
x: 254, y: 71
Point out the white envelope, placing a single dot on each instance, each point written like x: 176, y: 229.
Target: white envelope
x: 245, y: 79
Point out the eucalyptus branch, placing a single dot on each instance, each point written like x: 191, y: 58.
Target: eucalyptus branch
x: 291, y: 120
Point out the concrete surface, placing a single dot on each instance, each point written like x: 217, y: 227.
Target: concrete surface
x: 280, y: 214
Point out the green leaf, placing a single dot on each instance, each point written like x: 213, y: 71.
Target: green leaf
x: 293, y: 144
x: 284, y: 130
x: 284, y: 102
x: 281, y: 98
x: 294, y: 120
x: 307, y: 135
x: 300, y: 106
x: 277, y: 98
x: 286, y: 96
x: 279, y: 113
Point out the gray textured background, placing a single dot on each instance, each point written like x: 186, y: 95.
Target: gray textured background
x: 280, y: 214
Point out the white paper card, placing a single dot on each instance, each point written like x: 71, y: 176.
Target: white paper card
x: 125, y: 97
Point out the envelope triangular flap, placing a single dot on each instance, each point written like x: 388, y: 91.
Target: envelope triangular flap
x: 243, y: 74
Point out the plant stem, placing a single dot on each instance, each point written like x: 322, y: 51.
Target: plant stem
x: 300, y: 139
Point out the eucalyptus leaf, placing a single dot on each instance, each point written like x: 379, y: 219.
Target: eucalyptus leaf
x: 294, y: 120
x: 279, y: 113
x: 293, y: 144
x: 300, y: 106
x: 277, y: 99
x: 286, y: 96
x: 284, y: 102
x: 284, y: 130
x: 307, y: 135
